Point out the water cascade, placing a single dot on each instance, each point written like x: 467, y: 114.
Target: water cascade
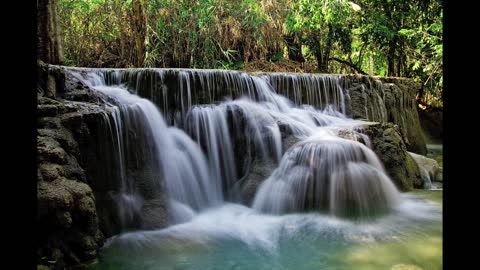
x: 322, y: 172
x: 328, y: 173
x: 175, y: 160
x: 201, y: 130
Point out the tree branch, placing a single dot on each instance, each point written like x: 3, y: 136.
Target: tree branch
x: 348, y: 64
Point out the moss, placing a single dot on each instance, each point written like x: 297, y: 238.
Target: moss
x: 65, y: 139
x: 413, y: 172
x: 86, y: 206
x: 389, y: 146
x: 398, y: 106
x: 51, y: 171
x: 88, y: 243
x: 439, y: 160
x: 64, y: 219
x: 78, y: 189
x: 53, y: 195
x: 50, y: 150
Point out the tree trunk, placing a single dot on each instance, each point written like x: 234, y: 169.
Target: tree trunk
x: 294, y: 47
x: 391, y: 60
x: 323, y: 56
x: 49, y: 47
x: 325, y: 61
x: 139, y: 29
x: 318, y: 55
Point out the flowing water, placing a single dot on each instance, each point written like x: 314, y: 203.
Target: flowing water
x: 328, y: 204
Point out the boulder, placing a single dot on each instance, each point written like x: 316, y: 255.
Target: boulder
x: 429, y: 168
x: 388, y: 144
x: 260, y: 170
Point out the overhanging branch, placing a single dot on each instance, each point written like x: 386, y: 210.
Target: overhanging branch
x: 348, y: 64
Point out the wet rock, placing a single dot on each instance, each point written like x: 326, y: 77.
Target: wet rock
x: 73, y: 170
x: 50, y: 110
x: 52, y: 196
x: 154, y: 214
x: 66, y: 210
x: 429, y: 168
x: 51, y: 171
x: 64, y: 137
x: 260, y: 170
x: 288, y: 141
x: 84, y: 95
x: 42, y: 100
x: 64, y: 219
x: 386, y: 100
x: 48, y: 123
x: 431, y: 121
x: 387, y: 143
x: 50, y: 150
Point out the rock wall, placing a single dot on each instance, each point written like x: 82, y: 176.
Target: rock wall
x: 67, y: 220
x: 398, y: 106
x: 78, y: 183
x: 431, y: 121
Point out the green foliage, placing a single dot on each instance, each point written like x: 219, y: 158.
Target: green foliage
x: 378, y: 37
x: 425, y: 52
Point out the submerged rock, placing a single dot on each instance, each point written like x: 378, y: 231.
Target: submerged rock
x: 259, y: 172
x: 405, y: 267
x: 154, y: 214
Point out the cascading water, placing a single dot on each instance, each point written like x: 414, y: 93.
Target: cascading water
x: 322, y: 173
x: 177, y: 161
x: 328, y: 173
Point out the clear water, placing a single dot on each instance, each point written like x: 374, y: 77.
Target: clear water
x: 237, y: 237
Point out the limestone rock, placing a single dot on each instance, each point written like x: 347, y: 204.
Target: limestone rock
x: 154, y: 214
x: 50, y: 150
x: 386, y: 100
x: 260, y: 170
x: 429, y: 168
x: 387, y: 143
x: 51, y: 171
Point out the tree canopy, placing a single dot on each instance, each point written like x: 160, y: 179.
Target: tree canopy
x: 375, y: 37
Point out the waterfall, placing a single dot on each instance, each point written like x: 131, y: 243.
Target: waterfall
x: 328, y: 173
x: 209, y: 124
x: 177, y: 164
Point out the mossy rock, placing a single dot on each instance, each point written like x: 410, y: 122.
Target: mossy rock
x: 50, y: 110
x: 389, y: 146
x: 53, y: 195
x: 50, y: 150
x: 260, y: 171
x: 51, y: 171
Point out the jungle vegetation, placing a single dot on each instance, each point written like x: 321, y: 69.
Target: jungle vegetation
x: 401, y: 38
